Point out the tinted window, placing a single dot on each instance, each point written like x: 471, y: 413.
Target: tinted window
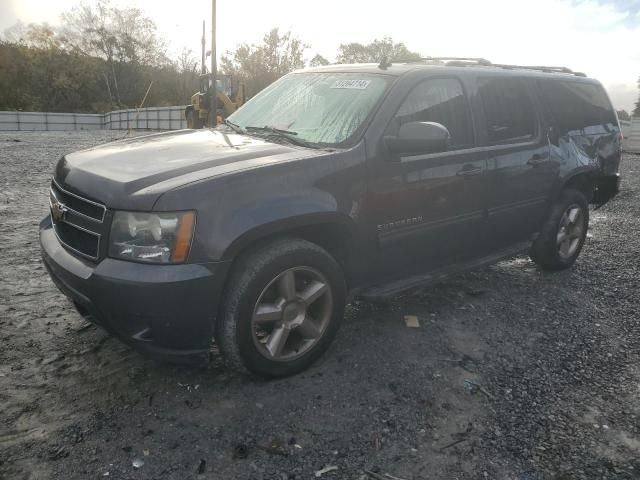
x: 442, y: 101
x: 576, y: 106
x: 508, y: 110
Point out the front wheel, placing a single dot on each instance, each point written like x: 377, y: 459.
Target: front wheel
x: 563, y: 234
x: 284, y: 305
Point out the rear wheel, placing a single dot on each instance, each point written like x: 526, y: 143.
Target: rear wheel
x: 564, y: 233
x: 284, y: 305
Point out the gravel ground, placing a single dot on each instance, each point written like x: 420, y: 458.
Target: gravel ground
x: 512, y: 374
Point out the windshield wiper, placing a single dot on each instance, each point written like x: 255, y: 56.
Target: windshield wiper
x: 287, y: 134
x: 233, y: 126
x: 269, y: 129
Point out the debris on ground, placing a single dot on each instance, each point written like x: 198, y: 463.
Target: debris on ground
x: 137, y: 462
x: 240, y: 451
x: 321, y: 472
x: 454, y: 443
x: 546, y: 391
x: 275, y: 447
x: 411, y: 321
x: 57, y: 452
x: 385, y: 476
x: 472, y: 387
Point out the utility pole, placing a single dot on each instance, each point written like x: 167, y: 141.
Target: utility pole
x: 213, y: 119
x: 203, y: 66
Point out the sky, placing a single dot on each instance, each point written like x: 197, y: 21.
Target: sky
x: 598, y: 37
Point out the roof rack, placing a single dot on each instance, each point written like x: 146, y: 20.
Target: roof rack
x: 541, y: 69
x: 457, y: 61
x: 482, y: 62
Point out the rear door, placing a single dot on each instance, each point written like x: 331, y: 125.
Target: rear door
x: 520, y: 171
x: 428, y: 209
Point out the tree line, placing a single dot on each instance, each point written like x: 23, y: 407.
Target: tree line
x: 103, y: 58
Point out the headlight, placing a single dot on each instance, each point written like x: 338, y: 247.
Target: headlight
x: 151, y: 237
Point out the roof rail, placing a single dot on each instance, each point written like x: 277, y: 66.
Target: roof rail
x: 457, y: 61
x: 482, y: 62
x: 541, y: 68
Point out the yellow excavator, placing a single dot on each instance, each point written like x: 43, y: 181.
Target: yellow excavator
x: 199, y: 114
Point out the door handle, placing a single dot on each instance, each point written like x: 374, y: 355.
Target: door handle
x: 469, y: 170
x: 538, y: 159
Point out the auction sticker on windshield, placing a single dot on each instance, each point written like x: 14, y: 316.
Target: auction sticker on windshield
x: 354, y: 84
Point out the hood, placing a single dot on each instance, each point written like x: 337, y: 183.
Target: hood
x: 132, y: 173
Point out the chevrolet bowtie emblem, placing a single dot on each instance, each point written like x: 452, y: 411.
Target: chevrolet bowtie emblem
x: 57, y: 211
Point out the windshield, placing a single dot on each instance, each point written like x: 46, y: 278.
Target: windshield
x: 318, y: 108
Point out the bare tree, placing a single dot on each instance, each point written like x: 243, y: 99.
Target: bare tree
x: 259, y: 65
x: 124, y: 38
x: 188, y: 74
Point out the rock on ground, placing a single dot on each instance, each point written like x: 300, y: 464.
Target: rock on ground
x: 513, y: 373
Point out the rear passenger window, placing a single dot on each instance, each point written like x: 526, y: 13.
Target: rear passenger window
x: 577, y: 106
x: 443, y: 101
x: 508, y: 110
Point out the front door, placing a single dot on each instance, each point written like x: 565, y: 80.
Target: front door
x: 429, y: 210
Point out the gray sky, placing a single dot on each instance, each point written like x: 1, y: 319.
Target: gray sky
x: 599, y: 37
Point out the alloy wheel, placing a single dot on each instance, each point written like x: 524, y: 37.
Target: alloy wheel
x: 292, y: 313
x: 570, y: 231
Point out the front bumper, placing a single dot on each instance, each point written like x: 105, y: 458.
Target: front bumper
x: 167, y: 311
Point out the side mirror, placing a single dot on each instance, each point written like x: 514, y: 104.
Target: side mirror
x: 419, y: 137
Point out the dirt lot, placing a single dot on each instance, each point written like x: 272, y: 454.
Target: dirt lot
x: 513, y: 373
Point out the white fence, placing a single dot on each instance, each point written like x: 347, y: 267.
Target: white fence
x: 169, y: 118
x: 153, y: 118
x: 631, y: 134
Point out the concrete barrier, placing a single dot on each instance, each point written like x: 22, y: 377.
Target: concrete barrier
x: 153, y: 118
x: 631, y: 142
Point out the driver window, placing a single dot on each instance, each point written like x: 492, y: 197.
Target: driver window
x: 443, y: 101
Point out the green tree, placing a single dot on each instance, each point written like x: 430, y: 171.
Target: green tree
x: 318, y: 61
x: 375, y: 52
x: 623, y: 115
x: 259, y: 65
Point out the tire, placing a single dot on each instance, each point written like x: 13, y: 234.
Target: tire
x: 563, y: 234
x: 264, y: 304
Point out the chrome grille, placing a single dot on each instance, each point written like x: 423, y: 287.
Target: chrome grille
x: 78, y: 222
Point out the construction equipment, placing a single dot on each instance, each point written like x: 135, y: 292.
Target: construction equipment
x: 229, y: 93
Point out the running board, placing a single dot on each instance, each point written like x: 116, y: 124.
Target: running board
x: 380, y: 292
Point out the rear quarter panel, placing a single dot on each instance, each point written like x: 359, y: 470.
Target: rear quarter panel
x: 583, y: 131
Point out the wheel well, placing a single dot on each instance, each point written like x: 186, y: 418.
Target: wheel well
x: 583, y: 183
x: 332, y: 237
